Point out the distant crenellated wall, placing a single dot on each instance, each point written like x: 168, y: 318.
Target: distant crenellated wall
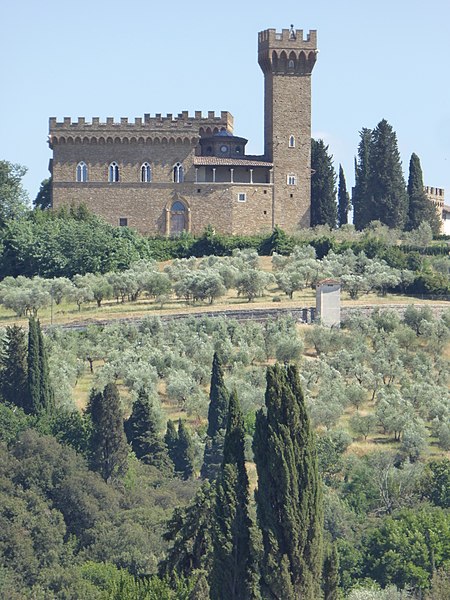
x: 181, y: 128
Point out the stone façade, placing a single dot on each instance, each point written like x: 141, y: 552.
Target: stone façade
x: 163, y: 175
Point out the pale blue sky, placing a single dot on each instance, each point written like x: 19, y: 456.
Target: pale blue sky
x: 379, y: 59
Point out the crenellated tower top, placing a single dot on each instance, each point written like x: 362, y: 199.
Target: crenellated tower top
x: 287, y: 52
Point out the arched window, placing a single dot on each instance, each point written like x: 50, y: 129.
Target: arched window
x: 178, y: 173
x: 82, y: 172
x: 113, y: 173
x: 291, y: 64
x: 291, y: 141
x: 291, y: 179
x: 178, y: 220
x: 146, y: 173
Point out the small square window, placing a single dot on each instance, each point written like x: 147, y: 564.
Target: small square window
x: 292, y: 195
x: 123, y: 222
x: 265, y: 212
x: 242, y: 197
x: 265, y: 191
x: 199, y: 191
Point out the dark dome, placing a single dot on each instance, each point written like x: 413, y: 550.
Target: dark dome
x: 223, y: 133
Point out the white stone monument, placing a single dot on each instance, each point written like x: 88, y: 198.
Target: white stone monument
x: 328, y: 302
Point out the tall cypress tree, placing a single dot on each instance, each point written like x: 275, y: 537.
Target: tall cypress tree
x: 420, y: 207
x: 331, y: 574
x: 361, y: 200
x: 343, y: 199
x: 109, y: 448
x: 46, y: 394
x: 289, y: 499
x: 171, y: 441
x: 387, y: 188
x: 34, y: 373
x: 184, y: 464
x: 142, y: 432
x: 233, y: 573
x: 323, y: 186
x: 217, y: 421
x: 13, y: 368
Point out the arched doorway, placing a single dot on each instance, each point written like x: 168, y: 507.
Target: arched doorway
x: 178, y: 218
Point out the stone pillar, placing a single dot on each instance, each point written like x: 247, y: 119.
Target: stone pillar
x: 167, y: 221
x: 251, y: 175
x: 214, y: 175
x: 231, y: 175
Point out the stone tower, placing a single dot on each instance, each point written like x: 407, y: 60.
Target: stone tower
x: 287, y: 60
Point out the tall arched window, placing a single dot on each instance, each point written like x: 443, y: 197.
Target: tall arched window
x: 113, y: 173
x: 291, y: 141
x: 178, y: 173
x: 178, y: 218
x: 82, y: 172
x: 146, y: 173
x: 291, y: 64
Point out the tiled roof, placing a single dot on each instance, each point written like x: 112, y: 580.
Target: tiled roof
x: 230, y: 162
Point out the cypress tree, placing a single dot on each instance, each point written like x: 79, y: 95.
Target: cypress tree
x: 343, y: 199
x: 109, y: 449
x: 13, y: 368
x: 34, y: 373
x: 171, y: 441
x: 420, y: 207
x: 289, y: 500
x: 323, y: 186
x: 232, y: 575
x: 218, y: 399
x: 361, y: 200
x: 143, y: 434
x: 217, y: 421
x: 331, y: 574
x: 387, y: 189
x: 46, y: 394
x: 184, y: 464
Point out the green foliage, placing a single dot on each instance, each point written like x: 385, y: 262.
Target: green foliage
x: 218, y: 399
x: 189, y: 531
x: 44, y: 198
x: 437, y: 483
x: 331, y: 574
x: 13, y: 368
x: 343, y: 199
x: 142, y: 430
x: 184, y: 463
x: 362, y: 206
x: 404, y: 549
x: 421, y: 209
x: 109, y: 449
x: 323, y: 186
x: 40, y: 392
x: 288, y: 497
x: 13, y: 198
x: 232, y: 574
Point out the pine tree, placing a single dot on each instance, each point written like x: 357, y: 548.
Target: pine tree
x: 217, y: 421
x: 323, y: 186
x: 185, y: 452
x: 420, y: 207
x: 13, y: 368
x: 109, y: 449
x: 361, y: 200
x: 233, y: 573
x: 387, y: 189
x: 189, y: 530
x: 343, y: 199
x: 143, y: 434
x: 289, y: 501
x: 331, y: 574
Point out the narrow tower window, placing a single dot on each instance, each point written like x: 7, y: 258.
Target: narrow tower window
x: 291, y: 179
x: 178, y: 173
x: 291, y: 141
x: 81, y: 172
x: 146, y: 173
x: 113, y: 172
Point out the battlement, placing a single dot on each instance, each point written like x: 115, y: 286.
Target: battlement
x: 287, y: 39
x: 436, y: 195
x: 157, y: 122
